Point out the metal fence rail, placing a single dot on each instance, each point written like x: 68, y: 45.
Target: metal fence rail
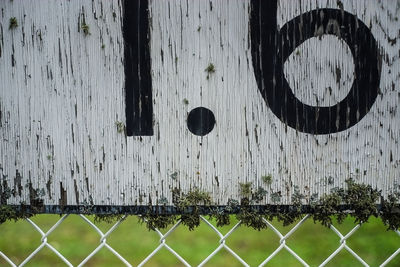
x: 221, y: 245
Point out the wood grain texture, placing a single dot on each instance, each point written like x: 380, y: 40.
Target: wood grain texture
x: 62, y: 97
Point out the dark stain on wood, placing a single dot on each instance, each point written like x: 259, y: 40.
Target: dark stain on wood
x: 34, y: 198
x: 63, y: 196
x: 76, y: 193
x: 87, y: 184
x: 1, y: 115
x: 5, y: 192
x: 17, y: 183
x: 48, y: 187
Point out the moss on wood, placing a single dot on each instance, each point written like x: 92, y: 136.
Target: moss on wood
x: 120, y: 127
x: 267, y: 179
x: 8, y: 213
x: 86, y: 29
x: 210, y: 70
x: 13, y: 23
x: 108, y: 218
x: 360, y: 199
x: 356, y: 200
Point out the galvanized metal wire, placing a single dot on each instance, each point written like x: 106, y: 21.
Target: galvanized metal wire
x: 221, y: 245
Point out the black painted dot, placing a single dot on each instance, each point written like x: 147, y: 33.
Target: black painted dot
x: 200, y: 121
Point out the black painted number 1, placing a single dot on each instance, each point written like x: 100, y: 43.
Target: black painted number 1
x: 270, y: 48
x: 137, y: 63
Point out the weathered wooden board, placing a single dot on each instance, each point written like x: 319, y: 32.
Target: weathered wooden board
x: 304, y: 92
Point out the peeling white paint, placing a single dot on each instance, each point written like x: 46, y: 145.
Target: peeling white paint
x: 61, y: 99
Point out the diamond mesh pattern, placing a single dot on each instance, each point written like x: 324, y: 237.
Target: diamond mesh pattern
x: 221, y: 245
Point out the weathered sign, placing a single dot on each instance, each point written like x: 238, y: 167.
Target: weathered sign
x: 128, y: 103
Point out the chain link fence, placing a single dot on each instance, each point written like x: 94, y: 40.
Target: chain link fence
x: 342, y: 236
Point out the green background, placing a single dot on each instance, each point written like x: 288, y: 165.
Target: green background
x: 75, y: 239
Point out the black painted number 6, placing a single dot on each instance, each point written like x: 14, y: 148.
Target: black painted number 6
x: 271, y: 47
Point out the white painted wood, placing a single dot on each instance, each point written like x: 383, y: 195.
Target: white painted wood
x: 61, y: 99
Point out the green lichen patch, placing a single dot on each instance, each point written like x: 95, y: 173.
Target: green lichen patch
x: 222, y: 215
x: 249, y: 216
x: 35, y: 199
x: 327, y: 208
x: 390, y: 212
x: 187, y: 204
x: 13, y: 24
x: 158, y: 221
x: 210, y: 70
x: 356, y: 200
x: 85, y: 28
x: 9, y: 213
x: 174, y: 175
x: 259, y: 194
x: 293, y: 213
x: 245, y: 189
x: 360, y: 199
x: 222, y: 219
x: 162, y: 201
x: 276, y: 197
x: 120, y: 126
x: 107, y: 218
x: 267, y: 179
x: 192, y: 199
x: 5, y: 192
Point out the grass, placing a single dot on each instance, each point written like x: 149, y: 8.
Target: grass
x: 75, y: 239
